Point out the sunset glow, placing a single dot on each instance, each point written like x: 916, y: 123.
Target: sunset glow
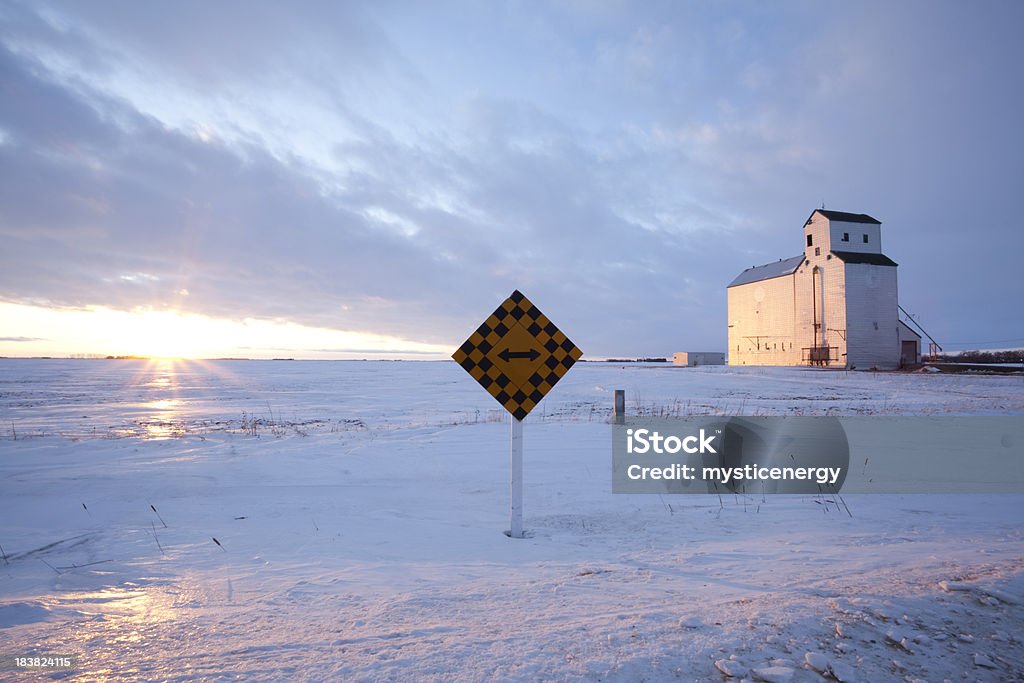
x: 151, y: 333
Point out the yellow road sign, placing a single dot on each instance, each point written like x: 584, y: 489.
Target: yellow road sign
x: 517, y: 355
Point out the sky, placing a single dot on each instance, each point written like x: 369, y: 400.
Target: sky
x: 347, y: 180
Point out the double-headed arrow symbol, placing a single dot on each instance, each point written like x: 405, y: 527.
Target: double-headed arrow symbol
x: 507, y: 354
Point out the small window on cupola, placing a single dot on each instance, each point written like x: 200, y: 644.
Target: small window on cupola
x: 865, y: 238
x: 810, y: 240
x: 846, y: 237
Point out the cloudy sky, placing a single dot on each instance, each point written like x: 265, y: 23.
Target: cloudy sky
x: 337, y: 179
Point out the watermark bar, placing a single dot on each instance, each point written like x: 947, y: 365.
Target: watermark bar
x: 35, y: 661
x: 819, y: 454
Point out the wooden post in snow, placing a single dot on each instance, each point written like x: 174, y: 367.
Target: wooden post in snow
x: 619, y: 409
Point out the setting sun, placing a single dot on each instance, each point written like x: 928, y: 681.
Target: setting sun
x: 151, y: 333
x: 162, y: 334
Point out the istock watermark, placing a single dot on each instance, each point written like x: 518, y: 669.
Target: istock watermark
x: 640, y: 441
x: 805, y: 454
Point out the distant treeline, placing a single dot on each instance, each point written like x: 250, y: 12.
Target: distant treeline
x: 1008, y: 356
x: 636, y: 360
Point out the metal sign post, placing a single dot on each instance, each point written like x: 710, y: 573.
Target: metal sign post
x: 517, y: 355
x: 515, y: 477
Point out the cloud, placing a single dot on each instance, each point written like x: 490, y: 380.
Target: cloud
x: 132, y: 213
x: 399, y: 170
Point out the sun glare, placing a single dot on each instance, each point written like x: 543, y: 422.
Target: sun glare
x: 162, y: 333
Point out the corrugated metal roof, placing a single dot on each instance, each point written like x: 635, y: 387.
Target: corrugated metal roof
x: 768, y: 271
x: 844, y: 216
x: 858, y: 257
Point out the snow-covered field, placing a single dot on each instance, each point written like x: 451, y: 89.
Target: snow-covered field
x: 358, y: 511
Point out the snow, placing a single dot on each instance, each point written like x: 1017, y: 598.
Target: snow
x: 731, y: 668
x: 774, y: 674
x: 817, y: 661
x: 358, y: 511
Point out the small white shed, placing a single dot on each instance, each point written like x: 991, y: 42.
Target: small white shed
x: 910, y: 346
x: 692, y: 359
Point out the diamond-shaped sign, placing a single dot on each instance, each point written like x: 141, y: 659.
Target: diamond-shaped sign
x: 517, y: 355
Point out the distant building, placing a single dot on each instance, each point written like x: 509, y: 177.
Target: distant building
x: 693, y: 359
x: 833, y: 306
